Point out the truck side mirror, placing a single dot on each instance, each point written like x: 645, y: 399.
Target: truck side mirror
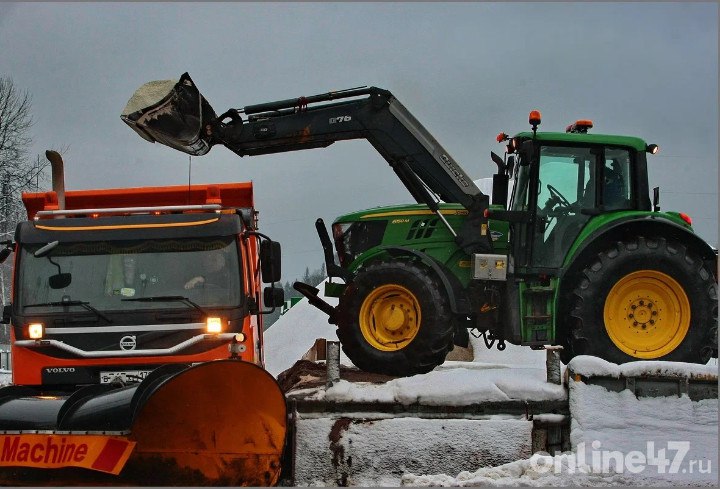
x: 6, y: 312
x: 273, y: 297
x: 270, y: 261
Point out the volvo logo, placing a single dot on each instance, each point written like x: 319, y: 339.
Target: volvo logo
x: 60, y: 370
x: 128, y: 343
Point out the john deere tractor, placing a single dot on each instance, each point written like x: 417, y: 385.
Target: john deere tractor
x: 578, y: 255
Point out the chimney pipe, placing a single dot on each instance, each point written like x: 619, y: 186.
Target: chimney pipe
x: 58, y: 176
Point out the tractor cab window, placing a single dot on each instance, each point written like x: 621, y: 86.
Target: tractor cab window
x: 567, y: 177
x: 616, y: 180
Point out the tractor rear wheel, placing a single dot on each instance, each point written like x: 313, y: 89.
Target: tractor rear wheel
x: 644, y: 299
x: 394, y: 319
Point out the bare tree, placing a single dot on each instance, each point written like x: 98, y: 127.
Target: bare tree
x: 18, y: 172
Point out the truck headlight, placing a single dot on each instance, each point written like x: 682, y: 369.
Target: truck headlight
x: 214, y: 325
x: 36, y: 331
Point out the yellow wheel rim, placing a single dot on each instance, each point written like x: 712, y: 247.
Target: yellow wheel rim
x: 647, y: 314
x: 390, y: 317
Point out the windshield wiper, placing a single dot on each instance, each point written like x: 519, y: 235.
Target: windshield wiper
x: 86, y: 305
x: 168, y: 298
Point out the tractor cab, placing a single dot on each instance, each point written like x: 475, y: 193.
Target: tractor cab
x: 562, y: 180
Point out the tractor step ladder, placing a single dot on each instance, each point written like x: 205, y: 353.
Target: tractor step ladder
x: 537, y: 314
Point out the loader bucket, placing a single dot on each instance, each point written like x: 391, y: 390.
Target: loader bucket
x: 216, y: 423
x: 173, y: 113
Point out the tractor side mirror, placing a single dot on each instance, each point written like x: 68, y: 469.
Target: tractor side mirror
x: 4, y: 253
x: 656, y: 199
x: 6, y: 312
x: 270, y: 261
x: 273, y: 297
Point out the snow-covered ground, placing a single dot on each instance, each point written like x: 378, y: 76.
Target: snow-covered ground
x: 617, y: 439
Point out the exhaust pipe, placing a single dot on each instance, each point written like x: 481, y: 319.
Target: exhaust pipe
x: 58, y: 176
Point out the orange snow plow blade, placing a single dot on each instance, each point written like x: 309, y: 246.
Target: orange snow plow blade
x: 228, y: 426
x: 216, y: 423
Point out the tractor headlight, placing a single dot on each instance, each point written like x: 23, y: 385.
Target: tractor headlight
x: 214, y: 325
x: 36, y: 331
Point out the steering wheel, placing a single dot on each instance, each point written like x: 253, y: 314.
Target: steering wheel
x: 556, y: 194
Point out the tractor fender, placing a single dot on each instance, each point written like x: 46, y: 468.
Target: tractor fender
x: 456, y: 294
x: 648, y: 225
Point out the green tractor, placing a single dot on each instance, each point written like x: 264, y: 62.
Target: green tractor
x: 581, y: 259
x: 578, y: 255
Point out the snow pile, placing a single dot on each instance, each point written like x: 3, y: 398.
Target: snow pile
x: 617, y: 438
x: 685, y: 431
x: 589, y: 366
x: 538, y: 471
x: 462, y: 384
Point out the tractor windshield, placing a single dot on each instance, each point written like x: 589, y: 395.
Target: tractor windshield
x: 105, y: 274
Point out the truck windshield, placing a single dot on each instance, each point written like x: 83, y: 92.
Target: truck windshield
x: 103, y: 273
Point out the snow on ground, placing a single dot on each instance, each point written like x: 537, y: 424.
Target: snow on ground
x: 5, y: 377
x: 617, y: 438
x: 594, y: 366
x: 458, y: 385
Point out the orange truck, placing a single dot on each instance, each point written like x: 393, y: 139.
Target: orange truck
x: 136, y: 328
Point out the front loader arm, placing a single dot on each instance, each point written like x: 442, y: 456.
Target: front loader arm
x: 184, y: 121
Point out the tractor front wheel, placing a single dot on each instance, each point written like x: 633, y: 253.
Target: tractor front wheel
x: 394, y: 319
x: 645, y: 299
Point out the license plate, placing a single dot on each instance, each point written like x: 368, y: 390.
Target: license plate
x: 125, y: 376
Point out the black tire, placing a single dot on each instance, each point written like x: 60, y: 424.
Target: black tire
x: 634, y: 264
x: 433, y: 335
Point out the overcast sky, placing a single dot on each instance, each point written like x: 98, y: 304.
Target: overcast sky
x: 466, y: 70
